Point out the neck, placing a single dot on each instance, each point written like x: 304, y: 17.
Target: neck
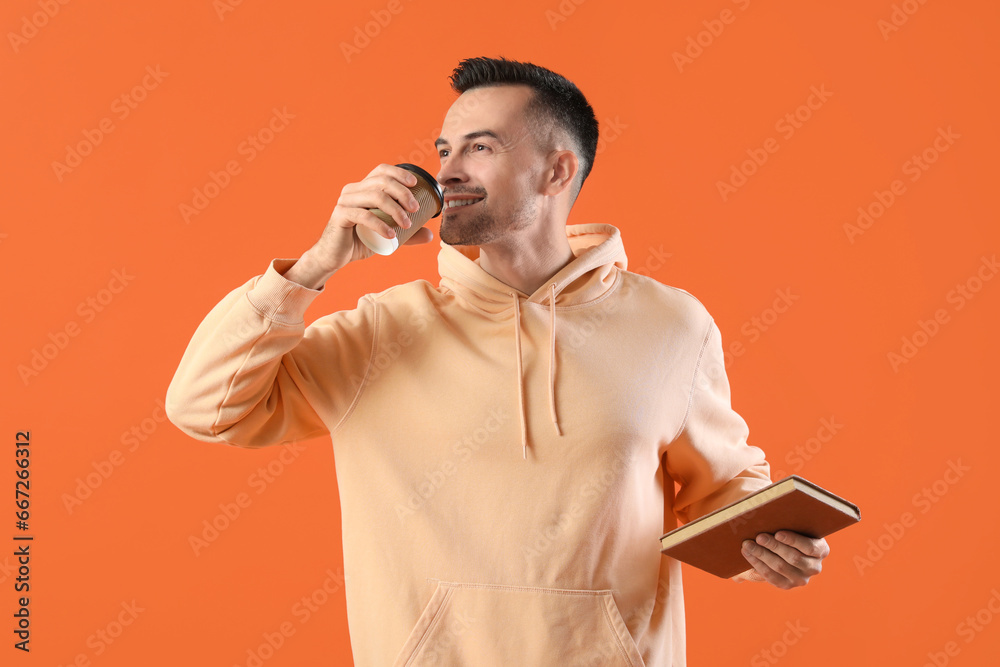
x: 527, y: 258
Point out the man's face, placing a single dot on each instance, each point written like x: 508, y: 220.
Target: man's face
x: 488, y: 157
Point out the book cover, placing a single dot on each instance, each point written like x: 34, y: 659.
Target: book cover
x: 712, y: 542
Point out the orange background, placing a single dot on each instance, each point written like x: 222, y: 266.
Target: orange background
x: 670, y: 135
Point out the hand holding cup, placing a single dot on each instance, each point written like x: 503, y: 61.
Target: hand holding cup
x: 379, y: 207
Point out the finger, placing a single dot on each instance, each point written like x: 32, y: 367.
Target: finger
x: 765, y: 571
x: 776, y: 562
x: 818, y: 548
x: 397, y: 182
x: 394, y: 181
x: 398, y: 187
x: 404, y: 176
x: 365, y: 218
x: 803, y: 563
x: 385, y: 196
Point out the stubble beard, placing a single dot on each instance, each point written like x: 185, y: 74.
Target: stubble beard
x: 486, y: 227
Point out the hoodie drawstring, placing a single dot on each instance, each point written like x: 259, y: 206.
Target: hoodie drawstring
x: 552, y: 357
x: 552, y: 366
x: 520, y: 374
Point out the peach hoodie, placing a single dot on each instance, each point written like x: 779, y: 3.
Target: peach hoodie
x: 506, y: 462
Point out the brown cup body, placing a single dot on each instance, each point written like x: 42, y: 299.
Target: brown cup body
x: 428, y: 196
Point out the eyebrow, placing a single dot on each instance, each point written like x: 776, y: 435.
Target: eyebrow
x: 471, y: 135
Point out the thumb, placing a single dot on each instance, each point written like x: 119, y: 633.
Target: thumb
x: 421, y: 236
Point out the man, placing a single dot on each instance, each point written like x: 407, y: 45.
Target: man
x: 508, y: 441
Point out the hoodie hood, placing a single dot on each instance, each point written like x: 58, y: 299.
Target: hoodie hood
x: 598, y: 257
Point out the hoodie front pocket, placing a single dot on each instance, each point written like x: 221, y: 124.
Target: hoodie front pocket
x: 493, y: 626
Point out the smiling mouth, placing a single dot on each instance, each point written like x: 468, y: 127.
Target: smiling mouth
x: 461, y: 203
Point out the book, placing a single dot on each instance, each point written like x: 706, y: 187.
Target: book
x: 713, y: 542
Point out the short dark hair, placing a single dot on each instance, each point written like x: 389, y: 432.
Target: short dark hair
x: 556, y: 102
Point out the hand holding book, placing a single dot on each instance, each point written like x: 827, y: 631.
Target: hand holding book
x: 786, y: 559
x: 795, y: 509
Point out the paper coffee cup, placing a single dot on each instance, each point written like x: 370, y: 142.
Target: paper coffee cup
x: 427, y: 192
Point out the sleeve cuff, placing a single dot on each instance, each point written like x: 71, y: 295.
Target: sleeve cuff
x: 279, y: 299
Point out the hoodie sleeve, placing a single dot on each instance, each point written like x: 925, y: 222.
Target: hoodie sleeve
x: 253, y: 375
x: 710, y: 458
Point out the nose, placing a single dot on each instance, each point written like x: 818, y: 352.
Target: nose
x: 452, y: 171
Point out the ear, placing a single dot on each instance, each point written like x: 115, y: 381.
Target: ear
x: 561, y: 171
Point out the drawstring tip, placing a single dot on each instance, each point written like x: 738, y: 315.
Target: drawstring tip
x: 558, y: 430
x: 524, y: 452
